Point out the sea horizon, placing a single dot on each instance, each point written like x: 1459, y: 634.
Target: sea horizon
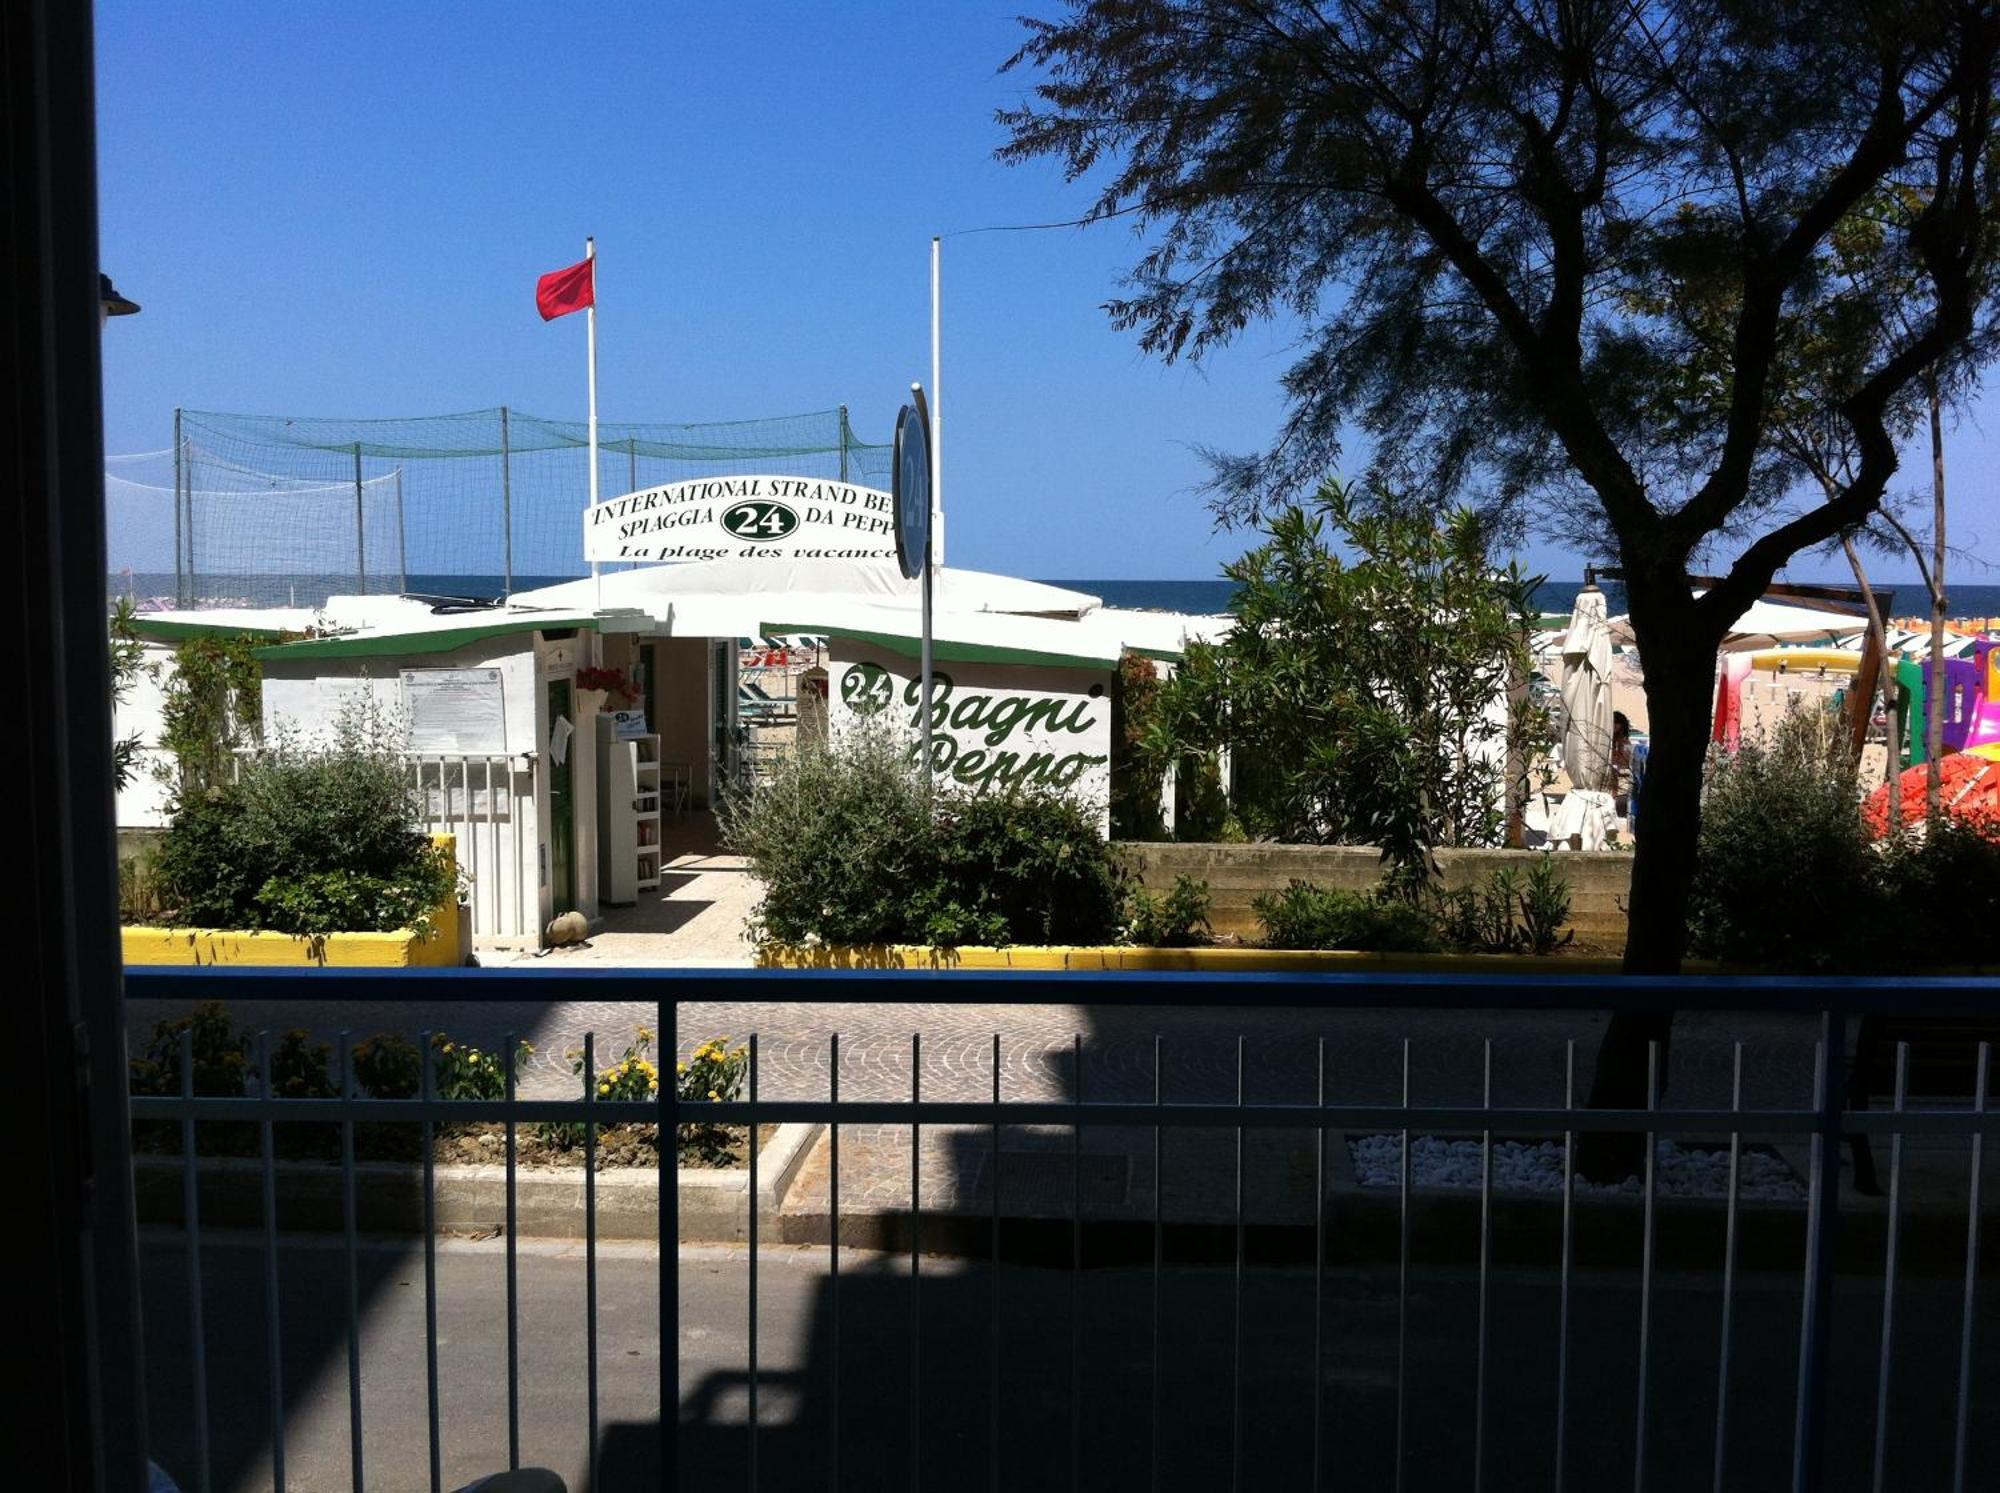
x: 155, y: 590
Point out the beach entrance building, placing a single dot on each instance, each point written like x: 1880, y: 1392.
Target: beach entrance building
x: 558, y: 734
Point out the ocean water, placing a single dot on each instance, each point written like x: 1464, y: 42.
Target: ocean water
x: 1193, y: 596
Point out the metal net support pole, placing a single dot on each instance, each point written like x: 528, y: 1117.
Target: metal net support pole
x: 402, y: 547
x: 360, y: 529
x: 180, y: 472
x: 506, y: 509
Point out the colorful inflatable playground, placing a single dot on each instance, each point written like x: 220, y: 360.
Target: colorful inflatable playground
x: 1970, y: 768
x: 1969, y: 710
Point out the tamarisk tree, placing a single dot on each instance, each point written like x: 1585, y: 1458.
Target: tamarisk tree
x: 1484, y: 217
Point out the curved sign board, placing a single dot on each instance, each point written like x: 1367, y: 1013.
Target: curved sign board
x: 711, y: 518
x: 911, y: 472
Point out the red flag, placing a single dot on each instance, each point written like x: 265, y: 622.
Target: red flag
x: 560, y: 292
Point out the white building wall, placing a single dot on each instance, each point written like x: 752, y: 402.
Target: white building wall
x: 143, y: 802
x: 992, y: 724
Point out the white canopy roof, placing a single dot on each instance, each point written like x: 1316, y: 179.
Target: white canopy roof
x: 961, y: 590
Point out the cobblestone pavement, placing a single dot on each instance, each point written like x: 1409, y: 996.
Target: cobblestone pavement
x: 1042, y: 1052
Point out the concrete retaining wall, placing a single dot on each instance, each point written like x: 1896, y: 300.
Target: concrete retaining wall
x: 1599, y: 884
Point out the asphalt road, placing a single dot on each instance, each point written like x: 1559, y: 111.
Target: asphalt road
x: 1074, y: 1372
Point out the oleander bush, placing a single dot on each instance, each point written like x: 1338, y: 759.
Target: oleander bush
x: 1174, y: 919
x: 1511, y: 912
x: 1305, y: 916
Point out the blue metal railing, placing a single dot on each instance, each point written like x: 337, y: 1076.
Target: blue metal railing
x: 1823, y: 1124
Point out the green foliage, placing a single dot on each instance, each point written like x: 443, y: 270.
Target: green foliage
x: 840, y: 838
x: 851, y: 848
x: 127, y: 664
x: 220, y: 1055
x: 1789, y: 879
x: 307, y: 841
x: 715, y: 1072
x: 1304, y: 916
x: 1136, y: 774
x: 321, y: 902
x: 213, y: 704
x: 1358, y: 694
x: 1177, y: 919
x: 387, y: 1066
x: 1943, y: 890
x: 1025, y: 866
x: 460, y: 1071
x: 138, y: 887
x: 299, y: 1067
x: 1509, y: 913
x: 1785, y: 875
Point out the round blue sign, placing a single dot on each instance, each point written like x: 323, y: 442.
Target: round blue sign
x: 911, y: 491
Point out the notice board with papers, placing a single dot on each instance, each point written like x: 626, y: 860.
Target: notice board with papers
x: 457, y: 711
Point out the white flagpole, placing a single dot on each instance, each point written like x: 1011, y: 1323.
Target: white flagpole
x: 937, y: 404
x: 590, y: 255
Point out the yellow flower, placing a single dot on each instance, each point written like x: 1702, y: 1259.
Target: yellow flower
x: 680, y: 1067
x: 714, y: 1095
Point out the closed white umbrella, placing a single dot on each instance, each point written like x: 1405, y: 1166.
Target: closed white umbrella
x: 1586, y: 693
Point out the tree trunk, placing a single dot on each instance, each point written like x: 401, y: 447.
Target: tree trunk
x: 1885, y: 683
x: 1934, y: 704
x: 1680, y: 683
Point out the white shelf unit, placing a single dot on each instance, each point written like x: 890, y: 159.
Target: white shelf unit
x: 628, y: 814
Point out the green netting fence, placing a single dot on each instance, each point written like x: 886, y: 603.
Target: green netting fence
x: 269, y: 510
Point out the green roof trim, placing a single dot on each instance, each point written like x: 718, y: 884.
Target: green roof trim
x: 161, y: 630
x: 439, y: 640
x: 942, y: 650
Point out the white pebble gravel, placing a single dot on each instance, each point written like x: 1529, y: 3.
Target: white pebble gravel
x: 1537, y: 1166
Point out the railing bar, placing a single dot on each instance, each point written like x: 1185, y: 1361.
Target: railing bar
x: 1149, y: 989
x: 1822, y: 1214
x: 274, y: 1359
x: 993, y: 1389
x: 1319, y: 1279
x: 1728, y: 1280
x: 1119, y: 1113
x: 1076, y: 1264
x: 750, y: 1323
x: 353, y: 1255
x: 509, y: 1060
x: 1958, y: 1457
x: 1485, y: 1265
x: 430, y: 1268
x: 1159, y: 1255
x: 191, y: 1222
x: 916, y: 1266
x: 1236, y: 1318
x: 1652, y: 1144
x: 590, y: 1247
x: 1889, y: 1275
x: 1403, y: 1281
x: 667, y: 1146
x: 1562, y: 1288
x: 833, y: 1268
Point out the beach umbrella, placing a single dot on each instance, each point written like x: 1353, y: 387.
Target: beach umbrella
x: 1586, y: 692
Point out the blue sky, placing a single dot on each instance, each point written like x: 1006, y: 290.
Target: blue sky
x: 340, y: 209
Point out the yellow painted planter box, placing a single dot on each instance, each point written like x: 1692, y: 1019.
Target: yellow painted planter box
x: 1201, y: 960
x: 403, y: 948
